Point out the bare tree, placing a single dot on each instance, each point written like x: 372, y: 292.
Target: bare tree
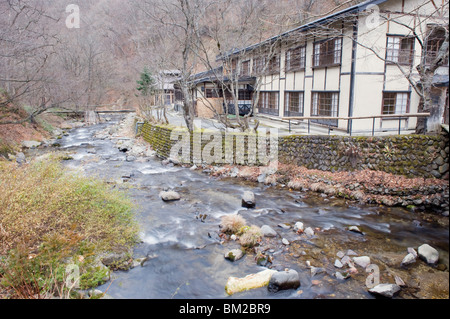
x: 27, y: 47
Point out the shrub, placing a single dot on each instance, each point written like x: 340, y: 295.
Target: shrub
x: 232, y: 223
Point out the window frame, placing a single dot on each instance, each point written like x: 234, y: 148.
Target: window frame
x: 398, y: 53
x: 407, y: 106
x: 315, y: 110
x: 295, y: 54
x: 320, y: 59
x: 264, y: 102
x: 273, y: 66
x: 288, y: 100
x: 245, y: 71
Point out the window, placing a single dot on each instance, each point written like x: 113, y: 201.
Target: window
x: 296, y: 59
x: 245, y: 68
x: 212, y: 93
x: 293, y: 104
x: 274, y: 65
x: 325, y: 104
x: 268, y: 103
x: 244, y: 95
x: 258, y: 65
x: 395, y: 103
x: 327, y: 53
x: 400, y: 50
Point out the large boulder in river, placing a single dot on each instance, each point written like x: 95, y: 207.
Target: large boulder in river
x: 169, y: 196
x: 428, y: 253
x: 248, y: 199
x: 252, y: 281
x: 283, y: 280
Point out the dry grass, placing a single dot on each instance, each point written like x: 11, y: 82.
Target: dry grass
x: 41, y: 200
x: 48, y: 216
x: 250, y: 237
x: 232, y: 223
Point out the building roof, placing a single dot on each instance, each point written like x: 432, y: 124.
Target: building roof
x: 327, y: 19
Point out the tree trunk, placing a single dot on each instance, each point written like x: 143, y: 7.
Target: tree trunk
x: 188, y: 109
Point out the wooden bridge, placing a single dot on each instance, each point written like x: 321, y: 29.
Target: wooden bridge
x: 74, y: 112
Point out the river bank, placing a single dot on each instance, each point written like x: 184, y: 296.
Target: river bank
x: 367, y: 186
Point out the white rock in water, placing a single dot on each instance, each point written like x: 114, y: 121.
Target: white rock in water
x: 429, y: 254
x: 340, y: 254
x: 408, y: 260
x: 248, y: 199
x: 299, y: 226
x: 234, y: 254
x: 169, y: 196
x: 338, y: 264
x: 309, y: 232
x: 386, y: 290
x: 413, y: 252
x: 355, y: 229
x: 252, y: 281
x: 362, y: 261
x: 268, y: 231
x: 285, y: 241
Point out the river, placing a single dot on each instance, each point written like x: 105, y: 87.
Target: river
x: 189, y: 258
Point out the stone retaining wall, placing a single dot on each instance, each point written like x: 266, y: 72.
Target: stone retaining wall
x: 408, y: 155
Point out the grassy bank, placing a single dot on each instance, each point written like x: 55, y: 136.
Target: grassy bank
x: 50, y: 218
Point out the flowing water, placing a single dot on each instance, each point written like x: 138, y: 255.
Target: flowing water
x: 189, y: 258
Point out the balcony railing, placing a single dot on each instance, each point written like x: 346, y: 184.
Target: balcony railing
x: 269, y: 111
x: 399, y: 117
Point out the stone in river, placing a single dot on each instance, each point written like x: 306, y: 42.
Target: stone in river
x: 169, y: 196
x: 268, y: 231
x: 429, y: 254
x: 385, y: 290
x: 252, y: 281
x: 234, y: 255
x: 408, y: 260
x: 248, y: 199
x: 362, y: 261
x: 283, y: 280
